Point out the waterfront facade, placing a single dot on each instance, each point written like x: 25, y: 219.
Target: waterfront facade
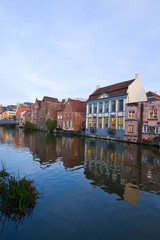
x: 143, y: 122
x: 105, y: 115
x: 73, y: 116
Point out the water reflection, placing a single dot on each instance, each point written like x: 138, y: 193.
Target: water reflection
x: 123, y: 169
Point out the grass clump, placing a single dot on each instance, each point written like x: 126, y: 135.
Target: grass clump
x: 18, y: 196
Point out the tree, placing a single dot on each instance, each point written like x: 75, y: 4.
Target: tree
x: 51, y: 124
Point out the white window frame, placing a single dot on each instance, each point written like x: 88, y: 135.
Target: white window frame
x: 153, y: 113
x: 132, y: 112
x: 157, y: 130
x: 131, y: 128
x: 146, y: 129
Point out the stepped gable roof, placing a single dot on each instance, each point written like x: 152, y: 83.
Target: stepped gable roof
x: 50, y: 99
x: 152, y: 94
x: 78, y: 106
x: 112, y: 90
x: 21, y: 110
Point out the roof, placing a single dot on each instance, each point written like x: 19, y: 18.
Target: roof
x: 21, y: 110
x: 152, y: 94
x: 78, y: 106
x: 50, y: 99
x: 112, y: 90
x: 38, y: 102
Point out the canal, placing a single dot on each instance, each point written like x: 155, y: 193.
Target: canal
x: 89, y: 189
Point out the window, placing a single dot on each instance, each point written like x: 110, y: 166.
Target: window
x: 113, y: 122
x: 120, y: 105
x: 90, y: 108
x: 130, y: 128
x: 113, y: 106
x: 101, y: 107
x: 66, y: 115
x: 65, y: 124
x: 107, y: 107
x: 153, y: 114
x: 120, y: 122
x: 89, y: 122
x: 69, y: 124
x: 69, y: 115
x: 94, y: 122
x: 95, y: 108
x: 131, y: 115
x: 146, y: 129
x: 106, y: 122
x: 157, y: 130
x: 100, y: 123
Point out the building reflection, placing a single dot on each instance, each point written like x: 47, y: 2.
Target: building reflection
x: 47, y: 148
x: 123, y: 169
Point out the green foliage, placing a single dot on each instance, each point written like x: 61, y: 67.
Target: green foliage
x: 17, y: 196
x: 51, y: 124
x: 28, y: 126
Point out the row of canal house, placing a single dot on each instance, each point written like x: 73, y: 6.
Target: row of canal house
x: 124, y: 111
x: 70, y: 114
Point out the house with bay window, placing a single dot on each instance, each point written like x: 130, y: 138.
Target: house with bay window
x: 105, y: 114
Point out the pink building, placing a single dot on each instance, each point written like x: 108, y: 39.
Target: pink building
x: 142, y: 122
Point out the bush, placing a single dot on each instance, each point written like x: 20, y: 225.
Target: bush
x: 51, y: 124
x: 28, y: 126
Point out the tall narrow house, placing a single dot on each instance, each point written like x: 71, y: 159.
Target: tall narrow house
x: 105, y: 114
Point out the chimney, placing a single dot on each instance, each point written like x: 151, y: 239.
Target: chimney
x: 137, y: 76
x: 98, y: 86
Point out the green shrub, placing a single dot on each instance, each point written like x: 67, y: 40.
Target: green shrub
x: 51, y: 124
x: 28, y: 126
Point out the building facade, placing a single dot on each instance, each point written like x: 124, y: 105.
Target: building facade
x: 105, y: 114
x: 73, y: 116
x: 143, y: 122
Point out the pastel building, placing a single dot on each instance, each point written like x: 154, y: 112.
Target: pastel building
x: 142, y: 122
x: 105, y: 114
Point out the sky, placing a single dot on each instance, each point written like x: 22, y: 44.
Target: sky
x: 65, y: 48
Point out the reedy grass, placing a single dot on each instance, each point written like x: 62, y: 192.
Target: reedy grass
x: 18, y: 196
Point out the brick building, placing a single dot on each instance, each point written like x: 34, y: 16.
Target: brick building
x: 73, y: 116
x: 143, y: 122
x: 152, y: 96
x: 48, y: 109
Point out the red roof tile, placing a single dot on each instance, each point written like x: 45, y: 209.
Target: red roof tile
x: 21, y: 110
x: 152, y: 94
x: 50, y: 99
x: 112, y: 90
x: 78, y: 106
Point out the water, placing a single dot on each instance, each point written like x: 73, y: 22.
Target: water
x: 89, y: 189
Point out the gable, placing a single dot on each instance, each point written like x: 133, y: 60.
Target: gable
x: 103, y: 95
